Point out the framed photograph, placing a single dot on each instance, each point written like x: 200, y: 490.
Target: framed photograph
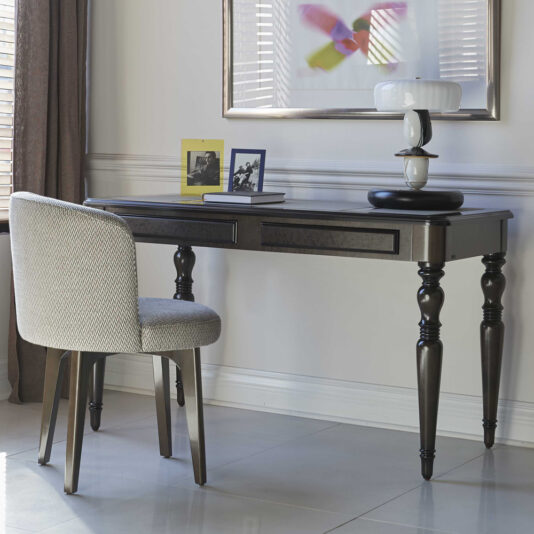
x: 323, y: 58
x: 202, y: 166
x: 246, y: 170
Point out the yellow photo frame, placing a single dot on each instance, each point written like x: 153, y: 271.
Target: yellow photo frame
x: 202, y: 166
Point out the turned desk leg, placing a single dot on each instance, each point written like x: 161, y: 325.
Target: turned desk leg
x: 96, y: 392
x: 491, y: 341
x: 429, y: 356
x: 184, y: 261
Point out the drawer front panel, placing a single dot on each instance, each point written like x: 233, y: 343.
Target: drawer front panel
x: 184, y: 230
x: 330, y: 238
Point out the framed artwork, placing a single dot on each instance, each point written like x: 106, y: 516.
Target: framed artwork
x: 202, y: 166
x: 323, y: 58
x: 246, y: 170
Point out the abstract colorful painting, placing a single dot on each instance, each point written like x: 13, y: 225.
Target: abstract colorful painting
x: 374, y: 33
x: 324, y: 57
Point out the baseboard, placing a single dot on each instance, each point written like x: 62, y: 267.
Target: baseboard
x: 333, y: 400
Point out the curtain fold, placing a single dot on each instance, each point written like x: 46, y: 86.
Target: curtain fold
x: 49, y: 136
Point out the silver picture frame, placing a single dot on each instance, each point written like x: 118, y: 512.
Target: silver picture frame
x: 491, y: 112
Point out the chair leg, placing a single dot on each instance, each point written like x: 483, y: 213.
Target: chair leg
x: 55, y: 364
x: 192, y: 380
x: 96, y: 393
x: 163, y: 404
x: 80, y: 370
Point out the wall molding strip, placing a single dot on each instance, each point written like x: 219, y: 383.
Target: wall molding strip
x: 333, y: 400
x: 334, y: 175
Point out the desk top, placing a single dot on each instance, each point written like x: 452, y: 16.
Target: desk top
x: 290, y: 208
x: 314, y: 227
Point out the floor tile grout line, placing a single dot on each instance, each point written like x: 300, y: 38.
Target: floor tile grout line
x: 321, y: 509
x: 182, y: 477
x: 463, y: 464
x: 24, y: 530
x: 437, y: 530
x: 214, y: 490
x: 196, y: 489
x: 248, y: 456
x: 361, y: 516
x: 181, y: 484
x: 89, y: 432
x: 429, y: 529
x: 123, y: 424
x: 257, y: 499
x: 439, y: 477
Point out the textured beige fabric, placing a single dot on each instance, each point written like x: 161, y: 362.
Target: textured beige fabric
x: 75, y: 277
x: 168, y: 324
x: 75, y: 284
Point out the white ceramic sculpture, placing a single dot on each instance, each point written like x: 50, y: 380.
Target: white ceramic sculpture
x: 417, y: 98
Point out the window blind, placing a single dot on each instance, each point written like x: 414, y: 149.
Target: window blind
x: 253, y: 53
x: 462, y: 40
x: 7, y: 74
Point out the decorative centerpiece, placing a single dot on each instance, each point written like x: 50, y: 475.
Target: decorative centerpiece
x: 417, y: 98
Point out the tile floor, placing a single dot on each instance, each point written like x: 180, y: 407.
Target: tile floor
x: 267, y: 473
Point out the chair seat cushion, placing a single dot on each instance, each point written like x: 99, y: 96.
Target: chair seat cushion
x: 168, y: 324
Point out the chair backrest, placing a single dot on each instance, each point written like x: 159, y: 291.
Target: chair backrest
x: 75, y: 276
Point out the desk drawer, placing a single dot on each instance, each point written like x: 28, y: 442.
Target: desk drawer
x: 330, y: 238
x: 195, y: 231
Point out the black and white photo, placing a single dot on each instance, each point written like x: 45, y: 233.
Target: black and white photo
x: 203, y: 168
x: 246, y: 170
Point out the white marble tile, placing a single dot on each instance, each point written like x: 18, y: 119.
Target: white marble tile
x: 200, y: 511
x: 344, y: 469
x: 131, y: 449
x: 490, y: 495
x: 34, y: 497
x: 21, y: 423
x: 266, y: 473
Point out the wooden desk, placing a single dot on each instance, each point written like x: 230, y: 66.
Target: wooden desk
x: 347, y: 229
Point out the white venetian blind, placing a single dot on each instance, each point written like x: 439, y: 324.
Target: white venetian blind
x: 7, y: 74
x: 462, y: 40
x: 253, y: 53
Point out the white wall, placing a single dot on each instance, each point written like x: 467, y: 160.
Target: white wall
x: 5, y: 288
x: 156, y: 78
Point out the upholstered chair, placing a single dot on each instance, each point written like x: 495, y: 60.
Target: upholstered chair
x: 75, y: 282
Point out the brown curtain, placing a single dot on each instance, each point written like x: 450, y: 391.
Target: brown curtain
x: 49, y: 133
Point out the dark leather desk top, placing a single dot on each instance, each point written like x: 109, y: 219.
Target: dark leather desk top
x: 313, y: 227
x: 289, y: 208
